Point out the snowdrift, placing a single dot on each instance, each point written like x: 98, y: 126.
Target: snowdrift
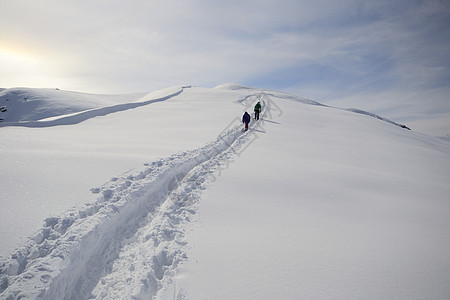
x: 44, y: 108
x: 27, y: 104
x: 163, y: 196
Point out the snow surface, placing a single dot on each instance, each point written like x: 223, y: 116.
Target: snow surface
x: 163, y: 196
x: 25, y: 104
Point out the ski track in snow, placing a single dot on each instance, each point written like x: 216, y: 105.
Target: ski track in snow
x: 128, y: 243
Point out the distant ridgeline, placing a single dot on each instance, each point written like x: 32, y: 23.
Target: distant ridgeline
x: 358, y: 111
x: 34, y: 107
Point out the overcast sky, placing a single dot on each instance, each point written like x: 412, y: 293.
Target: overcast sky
x: 390, y: 57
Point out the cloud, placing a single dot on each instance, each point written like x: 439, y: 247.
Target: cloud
x: 194, y: 39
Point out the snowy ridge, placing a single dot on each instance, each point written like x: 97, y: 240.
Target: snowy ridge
x: 266, y: 92
x: 287, y: 96
x: 135, y: 226
x: 358, y: 111
x: 77, y: 117
x: 32, y: 104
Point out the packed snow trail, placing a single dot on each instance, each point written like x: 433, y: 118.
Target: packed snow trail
x: 129, y: 242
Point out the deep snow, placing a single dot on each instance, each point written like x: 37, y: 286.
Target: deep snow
x: 163, y: 195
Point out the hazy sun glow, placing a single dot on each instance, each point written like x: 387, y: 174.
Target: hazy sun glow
x: 19, y: 67
x: 11, y: 56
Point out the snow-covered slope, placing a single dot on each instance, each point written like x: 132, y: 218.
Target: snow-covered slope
x: 27, y: 104
x: 170, y: 199
x: 445, y: 137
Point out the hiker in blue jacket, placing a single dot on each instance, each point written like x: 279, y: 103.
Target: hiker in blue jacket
x: 246, y: 119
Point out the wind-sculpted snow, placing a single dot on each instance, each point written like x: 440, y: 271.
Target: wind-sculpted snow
x: 32, y: 104
x: 80, y: 116
x: 358, y: 111
x: 129, y: 242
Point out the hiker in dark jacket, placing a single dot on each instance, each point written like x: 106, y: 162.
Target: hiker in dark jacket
x: 257, y: 110
x: 246, y: 119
